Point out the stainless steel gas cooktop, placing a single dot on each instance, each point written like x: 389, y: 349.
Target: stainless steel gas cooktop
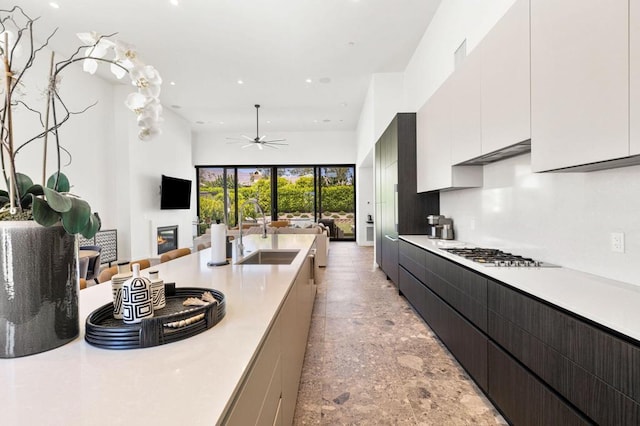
x: 498, y: 258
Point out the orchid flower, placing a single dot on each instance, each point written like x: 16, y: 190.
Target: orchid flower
x: 147, y: 79
x: 96, y: 48
x: 144, y: 102
x: 147, y: 133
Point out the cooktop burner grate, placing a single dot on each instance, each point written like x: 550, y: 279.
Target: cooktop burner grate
x: 498, y: 258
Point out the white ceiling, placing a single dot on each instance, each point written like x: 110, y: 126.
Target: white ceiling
x: 274, y: 46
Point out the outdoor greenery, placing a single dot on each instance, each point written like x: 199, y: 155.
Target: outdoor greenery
x: 295, y: 199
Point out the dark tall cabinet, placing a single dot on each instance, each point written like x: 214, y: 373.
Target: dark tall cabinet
x: 399, y: 208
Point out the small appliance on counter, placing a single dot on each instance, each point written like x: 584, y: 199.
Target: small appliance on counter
x: 439, y: 226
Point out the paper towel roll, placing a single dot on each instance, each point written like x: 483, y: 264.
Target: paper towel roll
x: 218, y: 244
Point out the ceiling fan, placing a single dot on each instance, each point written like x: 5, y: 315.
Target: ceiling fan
x: 259, y: 141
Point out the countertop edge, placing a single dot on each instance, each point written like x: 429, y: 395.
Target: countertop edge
x: 610, y: 304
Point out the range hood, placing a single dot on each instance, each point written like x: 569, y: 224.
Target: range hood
x: 501, y: 154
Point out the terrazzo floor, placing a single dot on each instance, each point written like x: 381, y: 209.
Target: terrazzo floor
x: 371, y: 360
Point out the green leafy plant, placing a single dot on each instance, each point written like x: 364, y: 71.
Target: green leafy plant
x: 59, y: 206
x: 52, y: 203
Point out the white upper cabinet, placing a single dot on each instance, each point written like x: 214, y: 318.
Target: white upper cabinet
x: 505, y: 80
x: 433, y: 141
x: 465, y: 111
x: 435, y: 170
x: 634, y: 76
x: 579, y: 82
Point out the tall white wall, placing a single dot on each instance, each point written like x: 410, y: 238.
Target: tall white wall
x: 140, y: 169
x: 365, y: 202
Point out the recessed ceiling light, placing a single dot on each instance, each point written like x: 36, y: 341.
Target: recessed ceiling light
x: 268, y: 121
x: 309, y: 80
x: 343, y: 104
x: 222, y: 122
x: 174, y: 2
x: 352, y: 43
x: 54, y: 5
x: 240, y: 82
x: 315, y: 121
x: 173, y: 83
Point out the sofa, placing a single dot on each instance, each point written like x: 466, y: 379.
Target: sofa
x: 322, y: 240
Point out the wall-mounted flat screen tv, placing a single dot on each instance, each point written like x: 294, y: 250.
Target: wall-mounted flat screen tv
x: 175, y: 193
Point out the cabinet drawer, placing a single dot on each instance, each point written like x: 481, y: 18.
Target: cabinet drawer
x: 465, y: 342
x: 597, y: 372
x: 522, y: 398
x: 413, y: 290
x: 258, y: 398
x: 413, y: 259
x: 466, y: 291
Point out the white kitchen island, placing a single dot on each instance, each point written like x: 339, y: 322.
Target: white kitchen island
x: 194, y: 381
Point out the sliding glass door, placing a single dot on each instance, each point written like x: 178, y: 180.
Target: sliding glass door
x: 301, y: 195
x: 338, y: 201
x: 296, y: 195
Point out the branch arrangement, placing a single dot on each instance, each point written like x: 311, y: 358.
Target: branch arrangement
x: 50, y: 202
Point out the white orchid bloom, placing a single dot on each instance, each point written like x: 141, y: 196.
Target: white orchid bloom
x: 144, y: 102
x: 150, y: 115
x: 147, y: 79
x: 147, y: 133
x: 136, y: 102
x: 90, y: 65
x: 118, y: 71
x: 126, y: 54
x: 89, y: 39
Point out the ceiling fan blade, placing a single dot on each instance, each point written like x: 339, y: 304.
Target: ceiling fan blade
x: 259, y: 145
x: 248, y: 138
x: 274, y: 140
x: 269, y: 146
x: 262, y: 138
x: 247, y: 145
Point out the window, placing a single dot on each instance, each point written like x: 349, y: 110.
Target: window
x: 300, y: 194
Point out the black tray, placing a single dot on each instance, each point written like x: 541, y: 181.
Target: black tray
x: 104, y: 331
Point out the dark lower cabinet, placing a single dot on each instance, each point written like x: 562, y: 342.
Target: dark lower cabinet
x: 467, y: 343
x: 597, y: 372
x: 390, y: 258
x: 541, y: 365
x: 413, y: 290
x: 524, y: 399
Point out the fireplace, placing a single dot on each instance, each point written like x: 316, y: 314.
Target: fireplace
x: 167, y: 238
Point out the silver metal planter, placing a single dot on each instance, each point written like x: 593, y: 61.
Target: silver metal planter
x: 38, y: 288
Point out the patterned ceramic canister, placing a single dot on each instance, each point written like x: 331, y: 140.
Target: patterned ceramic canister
x: 157, y: 291
x: 137, y: 303
x: 124, y: 273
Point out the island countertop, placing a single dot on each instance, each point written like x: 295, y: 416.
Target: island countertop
x: 192, y: 381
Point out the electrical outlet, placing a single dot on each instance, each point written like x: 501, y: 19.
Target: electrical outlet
x: 617, y: 242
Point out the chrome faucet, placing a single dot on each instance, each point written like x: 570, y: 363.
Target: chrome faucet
x: 240, y: 246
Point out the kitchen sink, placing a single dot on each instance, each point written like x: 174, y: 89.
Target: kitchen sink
x: 269, y: 257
